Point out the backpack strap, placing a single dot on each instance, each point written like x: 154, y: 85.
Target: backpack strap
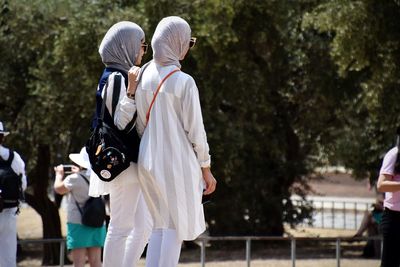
x: 115, y: 98
x: 76, y: 202
x: 116, y: 92
x: 10, y: 158
x: 84, y: 178
x: 156, y: 93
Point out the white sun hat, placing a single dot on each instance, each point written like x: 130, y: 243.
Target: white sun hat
x: 3, y: 130
x: 81, y: 158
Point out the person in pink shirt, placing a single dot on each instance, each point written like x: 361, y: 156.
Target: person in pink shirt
x: 389, y: 183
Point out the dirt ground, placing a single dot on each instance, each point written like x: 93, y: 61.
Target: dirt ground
x: 225, y: 255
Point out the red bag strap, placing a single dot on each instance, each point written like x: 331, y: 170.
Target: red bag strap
x: 156, y: 93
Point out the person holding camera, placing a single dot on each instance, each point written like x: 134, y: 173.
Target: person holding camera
x: 83, y: 241
x: 12, y: 184
x: 121, y: 51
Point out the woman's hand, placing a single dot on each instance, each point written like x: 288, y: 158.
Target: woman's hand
x: 133, y: 75
x: 211, y: 182
x: 59, y: 170
x: 59, y: 186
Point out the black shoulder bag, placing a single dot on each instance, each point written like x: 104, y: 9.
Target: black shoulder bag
x: 93, y: 212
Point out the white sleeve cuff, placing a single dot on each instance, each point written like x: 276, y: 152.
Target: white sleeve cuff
x: 206, y: 164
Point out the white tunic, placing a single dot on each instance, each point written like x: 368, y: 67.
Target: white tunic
x: 173, y: 149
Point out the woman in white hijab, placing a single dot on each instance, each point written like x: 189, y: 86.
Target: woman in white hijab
x: 130, y: 222
x: 174, y: 160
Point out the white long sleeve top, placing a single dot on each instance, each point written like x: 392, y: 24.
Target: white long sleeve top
x: 172, y: 151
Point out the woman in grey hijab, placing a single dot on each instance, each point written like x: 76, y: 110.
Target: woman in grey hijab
x: 121, y: 49
x: 174, y: 161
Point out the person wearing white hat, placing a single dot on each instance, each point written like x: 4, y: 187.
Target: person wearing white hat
x: 81, y: 240
x: 10, y: 162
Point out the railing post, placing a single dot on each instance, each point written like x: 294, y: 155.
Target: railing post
x: 293, y: 251
x: 62, y: 252
x: 333, y: 215
x: 344, y: 215
x: 248, y: 251
x: 322, y: 214
x: 203, y: 253
x: 338, y: 252
x: 355, y: 215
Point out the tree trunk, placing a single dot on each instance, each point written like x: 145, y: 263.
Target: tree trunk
x: 46, y: 208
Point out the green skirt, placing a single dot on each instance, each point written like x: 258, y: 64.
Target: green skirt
x: 81, y: 236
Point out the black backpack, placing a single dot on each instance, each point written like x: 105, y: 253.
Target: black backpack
x: 109, y: 150
x: 94, y: 211
x: 10, y: 184
x: 108, y: 153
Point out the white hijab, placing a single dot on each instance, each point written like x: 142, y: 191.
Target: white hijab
x: 171, y: 41
x: 121, y: 45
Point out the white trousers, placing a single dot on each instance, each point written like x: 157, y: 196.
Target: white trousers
x: 164, y: 248
x: 129, y: 228
x: 8, y: 238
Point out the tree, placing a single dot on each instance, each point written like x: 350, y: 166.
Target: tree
x: 268, y: 106
x: 50, y: 72
x: 282, y: 85
x: 365, y: 49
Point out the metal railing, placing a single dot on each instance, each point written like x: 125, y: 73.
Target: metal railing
x: 247, y: 239
x: 61, y: 241
x: 293, y: 242
x: 335, y: 212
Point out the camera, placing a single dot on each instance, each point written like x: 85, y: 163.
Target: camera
x: 68, y: 168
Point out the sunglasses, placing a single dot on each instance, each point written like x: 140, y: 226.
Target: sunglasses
x: 192, y: 42
x: 145, y: 47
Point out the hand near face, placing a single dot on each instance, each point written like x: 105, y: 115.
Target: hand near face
x: 133, y: 75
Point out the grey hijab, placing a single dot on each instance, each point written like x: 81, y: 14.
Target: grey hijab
x: 121, y: 45
x: 170, y: 41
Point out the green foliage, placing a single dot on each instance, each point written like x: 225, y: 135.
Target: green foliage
x: 365, y: 48
x: 285, y: 86
x: 263, y: 109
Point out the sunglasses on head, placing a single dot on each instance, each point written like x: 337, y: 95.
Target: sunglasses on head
x: 192, y: 42
x: 145, y: 47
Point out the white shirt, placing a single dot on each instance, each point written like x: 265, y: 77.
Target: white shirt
x: 17, y: 164
x: 392, y: 199
x: 172, y: 151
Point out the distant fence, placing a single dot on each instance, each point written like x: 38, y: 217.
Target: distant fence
x: 293, y: 242
x: 247, y: 239
x: 61, y: 241
x: 336, y: 212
